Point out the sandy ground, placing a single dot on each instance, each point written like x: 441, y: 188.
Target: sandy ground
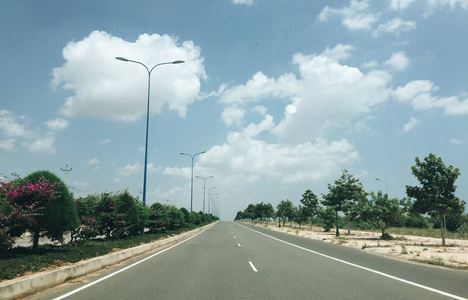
x: 406, y: 247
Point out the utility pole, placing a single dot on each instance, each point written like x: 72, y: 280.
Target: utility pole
x: 66, y: 170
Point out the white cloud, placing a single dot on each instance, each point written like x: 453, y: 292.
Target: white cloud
x: 10, y: 127
x: 104, y: 141
x: 93, y: 161
x: 400, y: 4
x: 395, y: 26
x: 233, y: 115
x: 455, y: 141
x: 57, y: 124
x: 327, y: 95
x: 243, y: 2
x: 356, y: 16
x: 420, y: 94
x: 41, y: 144
x: 413, y: 122
x: 130, y: 169
x: 104, y: 87
x: 8, y: 144
x: 37, y: 140
x: 251, y: 160
x: 398, y: 62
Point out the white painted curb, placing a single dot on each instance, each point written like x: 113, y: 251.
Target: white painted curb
x: 17, y: 288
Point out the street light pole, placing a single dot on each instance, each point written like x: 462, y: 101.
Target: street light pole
x: 147, y: 111
x: 209, y: 198
x: 386, y: 186
x: 191, y: 180
x: 204, y: 182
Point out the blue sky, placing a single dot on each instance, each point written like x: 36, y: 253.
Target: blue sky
x: 282, y: 95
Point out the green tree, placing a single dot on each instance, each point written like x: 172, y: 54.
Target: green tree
x: 285, y: 210
x: 310, y: 202
x: 158, y: 219
x: 249, y: 212
x: 326, y: 216
x: 300, y: 215
x: 380, y: 211
x: 186, y: 214
x: 127, y: 206
x: 59, y: 215
x: 342, y: 194
x: 436, y: 195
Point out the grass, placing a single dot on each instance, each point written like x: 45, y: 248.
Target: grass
x: 20, y: 261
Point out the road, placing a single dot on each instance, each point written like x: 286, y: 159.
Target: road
x: 236, y: 261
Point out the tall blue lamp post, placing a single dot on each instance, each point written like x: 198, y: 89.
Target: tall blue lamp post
x: 147, y: 111
x: 191, y: 181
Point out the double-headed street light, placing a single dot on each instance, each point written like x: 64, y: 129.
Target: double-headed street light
x: 191, y: 181
x: 147, y: 111
x: 209, y: 198
x: 386, y: 186
x: 204, y: 187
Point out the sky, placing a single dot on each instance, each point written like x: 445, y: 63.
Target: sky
x: 281, y: 94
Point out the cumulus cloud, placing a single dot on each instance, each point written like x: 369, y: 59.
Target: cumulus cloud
x: 356, y: 16
x: 327, y: 95
x: 420, y: 93
x: 398, y: 62
x: 104, y: 87
x: 413, y: 122
x: 248, y: 159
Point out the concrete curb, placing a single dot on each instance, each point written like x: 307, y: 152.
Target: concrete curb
x: 16, y: 288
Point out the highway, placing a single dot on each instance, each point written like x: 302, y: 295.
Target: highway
x: 236, y: 261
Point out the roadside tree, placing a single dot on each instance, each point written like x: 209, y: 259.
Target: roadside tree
x: 436, y: 195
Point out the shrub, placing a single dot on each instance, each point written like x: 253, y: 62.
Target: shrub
x: 158, y: 219
x: 186, y: 214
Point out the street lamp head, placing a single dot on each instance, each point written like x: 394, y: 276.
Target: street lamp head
x: 121, y: 58
x: 178, y: 62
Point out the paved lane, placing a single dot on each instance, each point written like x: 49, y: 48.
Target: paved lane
x: 233, y: 261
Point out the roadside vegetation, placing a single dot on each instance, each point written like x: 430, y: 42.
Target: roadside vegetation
x: 41, y: 205
x: 431, y: 209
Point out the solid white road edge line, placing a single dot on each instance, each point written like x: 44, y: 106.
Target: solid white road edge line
x: 253, y: 267
x: 128, y: 267
x: 361, y: 267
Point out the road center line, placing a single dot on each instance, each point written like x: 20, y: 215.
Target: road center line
x: 239, y: 245
x: 128, y: 267
x: 253, y: 267
x: 360, y: 267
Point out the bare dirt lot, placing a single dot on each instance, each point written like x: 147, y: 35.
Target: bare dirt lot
x: 406, y: 247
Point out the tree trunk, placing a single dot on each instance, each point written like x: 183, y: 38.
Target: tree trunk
x: 36, y: 234
x: 337, y: 230
x: 349, y: 231
x: 442, y: 229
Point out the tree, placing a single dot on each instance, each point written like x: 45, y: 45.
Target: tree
x: 285, y: 210
x: 327, y: 217
x: 249, y: 212
x: 436, y: 195
x: 380, y: 211
x: 186, y: 214
x: 343, y: 193
x: 300, y: 215
x: 59, y: 213
x: 310, y: 202
x: 127, y: 206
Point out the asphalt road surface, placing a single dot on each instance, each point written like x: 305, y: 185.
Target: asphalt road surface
x: 236, y: 261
